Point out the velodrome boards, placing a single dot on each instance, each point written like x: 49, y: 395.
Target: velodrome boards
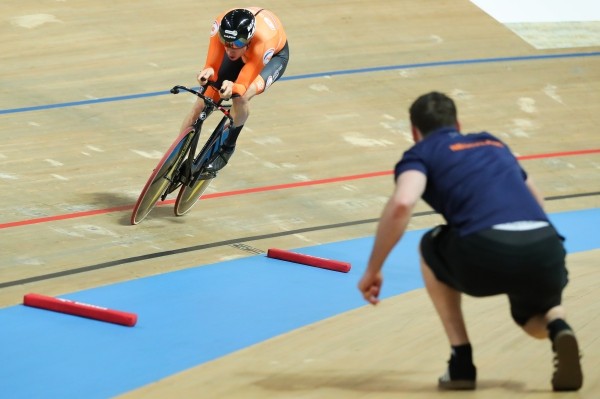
x: 86, y: 114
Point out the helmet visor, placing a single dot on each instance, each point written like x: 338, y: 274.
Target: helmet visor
x: 237, y: 43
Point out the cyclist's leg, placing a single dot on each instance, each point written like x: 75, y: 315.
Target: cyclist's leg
x: 275, y: 68
x: 241, y: 110
x: 193, y: 115
x: 269, y: 75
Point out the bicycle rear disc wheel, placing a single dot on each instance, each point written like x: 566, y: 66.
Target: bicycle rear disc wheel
x: 161, y: 177
x: 188, y: 196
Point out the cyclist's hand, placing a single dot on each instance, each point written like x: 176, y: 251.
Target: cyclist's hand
x: 226, y: 89
x: 205, y: 75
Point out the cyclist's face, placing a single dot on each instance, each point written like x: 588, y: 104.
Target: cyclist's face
x: 235, y: 53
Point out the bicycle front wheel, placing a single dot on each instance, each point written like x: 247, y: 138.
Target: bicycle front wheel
x: 162, y: 176
x: 188, y: 196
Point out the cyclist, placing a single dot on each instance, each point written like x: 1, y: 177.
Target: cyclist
x: 247, y: 52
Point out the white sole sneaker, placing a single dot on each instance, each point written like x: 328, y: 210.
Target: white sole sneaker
x: 567, y: 367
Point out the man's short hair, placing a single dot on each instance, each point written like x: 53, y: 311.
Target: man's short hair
x: 433, y: 111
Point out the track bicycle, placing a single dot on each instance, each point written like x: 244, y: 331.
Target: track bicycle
x: 182, y: 167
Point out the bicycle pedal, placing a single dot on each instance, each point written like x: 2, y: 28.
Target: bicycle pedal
x: 172, y: 187
x: 206, y: 175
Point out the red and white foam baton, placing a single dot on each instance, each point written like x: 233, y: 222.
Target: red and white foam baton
x: 80, y: 309
x: 309, y: 260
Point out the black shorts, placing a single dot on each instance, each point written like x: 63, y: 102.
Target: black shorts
x: 528, y: 266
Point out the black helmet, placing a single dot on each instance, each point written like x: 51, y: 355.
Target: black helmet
x: 237, y: 28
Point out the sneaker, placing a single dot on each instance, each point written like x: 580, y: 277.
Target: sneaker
x: 466, y: 381
x: 220, y: 159
x: 567, y: 368
x: 445, y: 382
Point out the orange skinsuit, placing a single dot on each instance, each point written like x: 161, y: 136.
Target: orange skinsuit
x: 269, y: 38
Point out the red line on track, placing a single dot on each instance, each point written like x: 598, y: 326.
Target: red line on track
x: 263, y: 189
x: 559, y: 154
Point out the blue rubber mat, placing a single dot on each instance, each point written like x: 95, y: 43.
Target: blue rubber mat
x: 189, y: 317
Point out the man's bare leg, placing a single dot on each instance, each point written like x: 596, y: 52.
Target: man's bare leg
x: 461, y: 373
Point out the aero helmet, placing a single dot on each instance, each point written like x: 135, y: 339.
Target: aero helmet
x: 237, y: 28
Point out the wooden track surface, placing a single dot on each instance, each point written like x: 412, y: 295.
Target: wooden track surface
x: 393, y: 351
x: 332, y: 118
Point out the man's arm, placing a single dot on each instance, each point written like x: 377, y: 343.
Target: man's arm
x: 410, y: 186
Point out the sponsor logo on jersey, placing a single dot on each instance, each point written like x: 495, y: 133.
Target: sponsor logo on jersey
x: 214, y: 28
x: 267, y: 56
x: 269, y: 23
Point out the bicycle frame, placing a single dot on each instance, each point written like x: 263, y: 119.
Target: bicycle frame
x: 193, y: 166
x: 174, y: 171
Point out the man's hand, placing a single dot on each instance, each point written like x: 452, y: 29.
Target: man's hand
x: 226, y: 89
x: 205, y: 75
x: 370, y: 286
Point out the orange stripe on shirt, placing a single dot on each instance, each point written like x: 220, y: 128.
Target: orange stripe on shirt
x: 467, y: 146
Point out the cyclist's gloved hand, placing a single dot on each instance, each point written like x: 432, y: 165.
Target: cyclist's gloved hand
x: 226, y: 89
x: 205, y: 75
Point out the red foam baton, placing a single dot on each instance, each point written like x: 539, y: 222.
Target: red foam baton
x: 309, y: 260
x: 80, y: 309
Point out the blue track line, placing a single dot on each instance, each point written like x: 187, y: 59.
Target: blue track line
x: 318, y: 75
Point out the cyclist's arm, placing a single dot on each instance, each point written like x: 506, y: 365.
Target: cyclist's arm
x: 247, y: 75
x: 215, y: 55
x: 250, y: 73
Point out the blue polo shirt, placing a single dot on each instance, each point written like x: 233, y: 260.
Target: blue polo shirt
x: 473, y: 180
